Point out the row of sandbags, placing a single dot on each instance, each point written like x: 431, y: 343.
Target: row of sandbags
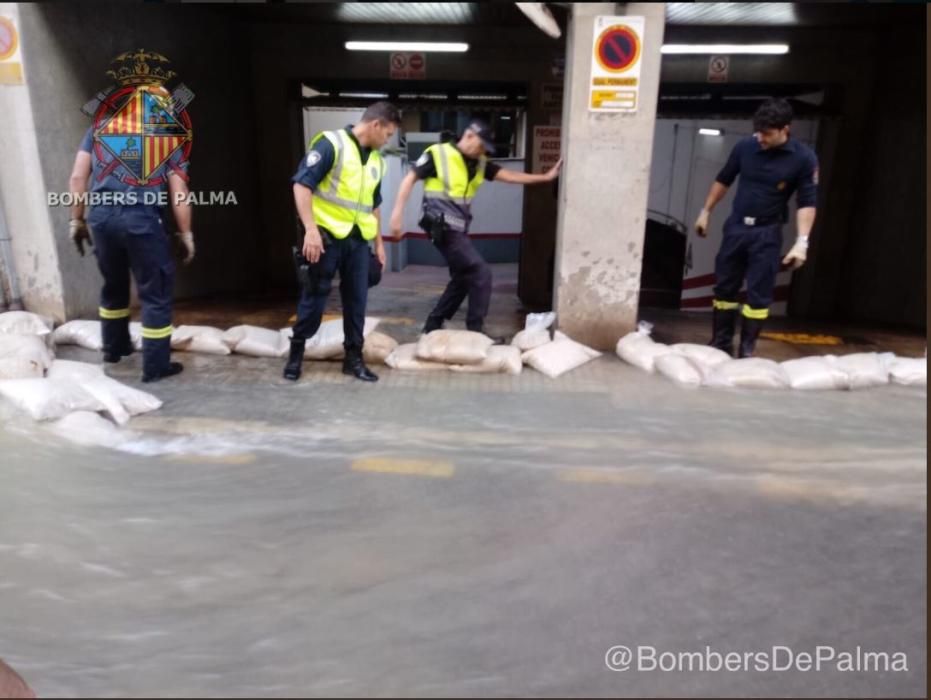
x: 701, y: 365
x: 467, y: 351
x: 255, y: 341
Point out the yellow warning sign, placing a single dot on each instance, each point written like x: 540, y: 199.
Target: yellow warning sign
x: 630, y: 82
x: 614, y: 99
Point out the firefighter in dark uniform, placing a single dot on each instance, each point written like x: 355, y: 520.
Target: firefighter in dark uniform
x: 452, y: 174
x: 129, y: 236
x: 337, y: 192
x: 771, y: 165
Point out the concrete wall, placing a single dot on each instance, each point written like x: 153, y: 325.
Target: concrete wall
x: 22, y: 186
x: 74, y: 44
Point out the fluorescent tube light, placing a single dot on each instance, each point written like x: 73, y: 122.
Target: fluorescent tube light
x: 709, y: 132
x: 713, y: 49
x: 451, y: 46
x: 365, y: 95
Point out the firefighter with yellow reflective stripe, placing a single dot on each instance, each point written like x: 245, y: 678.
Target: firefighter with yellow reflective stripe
x: 452, y: 175
x: 772, y: 166
x: 129, y: 236
x: 337, y: 192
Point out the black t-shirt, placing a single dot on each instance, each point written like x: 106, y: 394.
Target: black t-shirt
x: 425, y: 167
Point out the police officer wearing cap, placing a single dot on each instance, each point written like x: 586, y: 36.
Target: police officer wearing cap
x: 452, y: 175
x: 772, y: 166
x: 337, y: 192
x: 129, y: 236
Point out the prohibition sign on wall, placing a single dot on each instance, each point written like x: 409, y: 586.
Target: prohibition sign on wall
x: 8, y: 38
x: 617, y: 48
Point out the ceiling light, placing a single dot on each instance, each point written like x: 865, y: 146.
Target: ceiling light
x: 365, y: 95
x: 451, y: 46
x: 412, y: 96
x: 715, y: 49
x: 709, y: 132
x: 483, y: 97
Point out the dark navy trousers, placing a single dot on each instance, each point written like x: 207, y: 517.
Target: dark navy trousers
x: 350, y: 257
x: 469, y: 276
x: 751, y: 252
x: 133, y: 239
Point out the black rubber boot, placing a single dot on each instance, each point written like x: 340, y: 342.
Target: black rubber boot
x: 434, y: 323
x: 113, y: 355
x: 292, y: 370
x: 723, y: 323
x: 170, y: 371
x: 749, y: 332
x: 354, y: 365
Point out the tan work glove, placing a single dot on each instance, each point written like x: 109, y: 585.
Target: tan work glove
x: 79, y: 234
x: 798, y: 254
x: 701, y: 223
x: 187, y: 240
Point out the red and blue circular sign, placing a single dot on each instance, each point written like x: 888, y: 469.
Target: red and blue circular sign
x: 617, y: 48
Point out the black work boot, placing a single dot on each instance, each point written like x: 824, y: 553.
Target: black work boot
x: 434, y: 323
x: 115, y: 354
x: 749, y: 332
x: 171, y: 370
x: 723, y: 323
x: 292, y: 370
x: 354, y: 365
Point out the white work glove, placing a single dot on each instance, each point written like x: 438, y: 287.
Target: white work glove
x: 797, y: 255
x: 187, y: 240
x: 701, y: 223
x: 78, y: 233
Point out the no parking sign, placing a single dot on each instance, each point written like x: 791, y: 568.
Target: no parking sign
x: 616, y: 61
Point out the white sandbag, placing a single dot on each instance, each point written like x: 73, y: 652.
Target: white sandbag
x: 704, y: 355
x: 327, y: 342
x: 909, y: 371
x: 535, y: 331
x: 48, y: 399
x: 405, y: 357
x: 86, y: 428
x: 528, y: 339
x: 864, y: 369
x: 639, y: 349
x: 814, y: 373
x: 749, y: 373
x: 255, y: 341
x: 377, y: 347
x: 23, y: 356
x: 204, y: 339
x: 454, y: 347
x: 23, y: 323
x: 85, y: 334
x: 500, y: 359
x: 69, y: 369
x: 560, y: 356
x: 681, y: 369
x: 120, y: 400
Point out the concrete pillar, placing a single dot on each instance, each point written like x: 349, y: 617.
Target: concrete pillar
x: 23, y: 187
x: 604, y: 187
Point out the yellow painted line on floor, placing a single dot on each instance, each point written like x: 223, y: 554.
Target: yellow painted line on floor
x: 236, y: 458
x: 803, y: 338
x: 398, y: 320
x: 414, y: 467
x: 590, y: 475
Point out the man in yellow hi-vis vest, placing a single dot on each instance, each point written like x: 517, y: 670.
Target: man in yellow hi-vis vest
x: 337, y: 194
x: 452, y: 174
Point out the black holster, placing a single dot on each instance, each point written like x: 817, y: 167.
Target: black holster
x: 307, y: 277
x: 434, y: 225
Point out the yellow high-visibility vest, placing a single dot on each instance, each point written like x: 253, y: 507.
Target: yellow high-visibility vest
x: 346, y: 197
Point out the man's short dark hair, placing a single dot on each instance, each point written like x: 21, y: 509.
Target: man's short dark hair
x: 772, y: 114
x: 385, y: 112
